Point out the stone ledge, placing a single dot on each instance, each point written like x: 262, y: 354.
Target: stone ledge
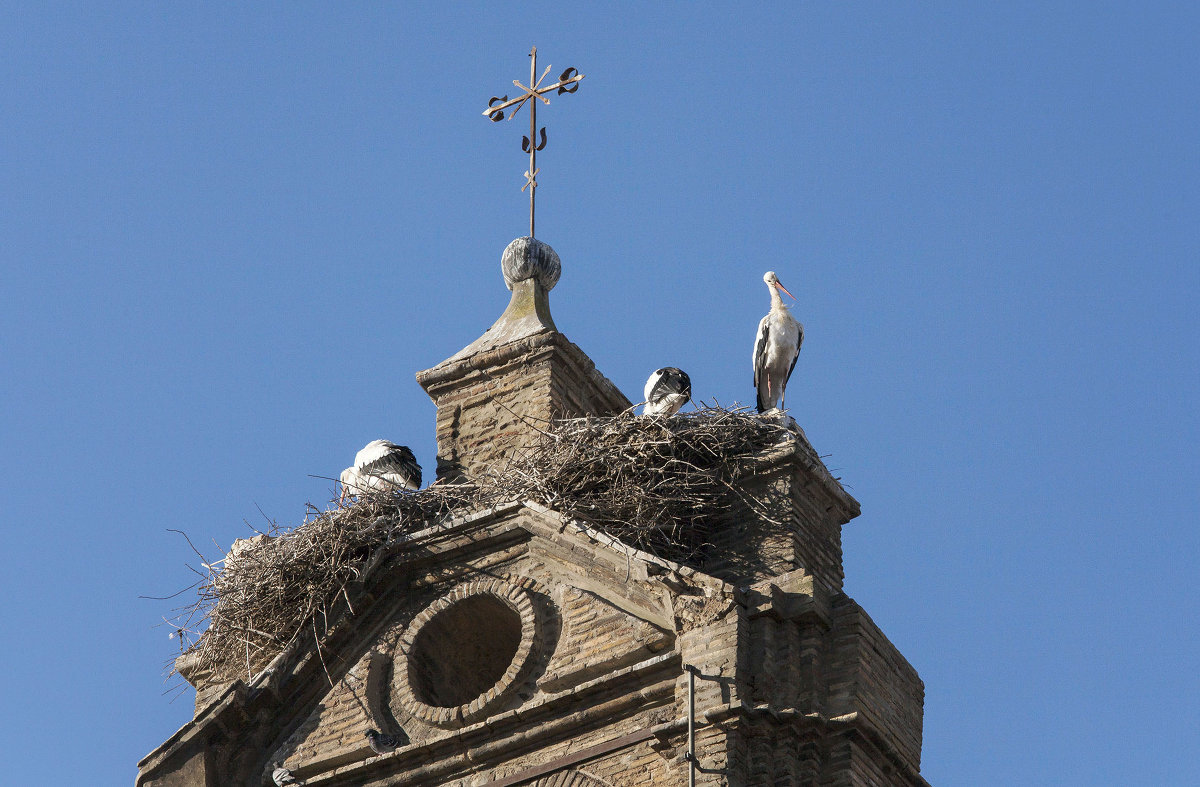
x: 736, y: 713
x: 438, y: 379
x: 800, y: 454
x: 483, y: 738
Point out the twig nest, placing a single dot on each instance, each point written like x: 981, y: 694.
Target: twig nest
x: 530, y: 258
x: 658, y: 484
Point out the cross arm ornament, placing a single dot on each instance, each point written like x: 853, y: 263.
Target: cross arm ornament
x: 568, y: 82
x: 499, y: 106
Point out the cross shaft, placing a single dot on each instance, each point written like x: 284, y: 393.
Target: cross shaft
x: 568, y: 82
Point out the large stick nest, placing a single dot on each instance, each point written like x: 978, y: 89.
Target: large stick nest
x: 658, y: 484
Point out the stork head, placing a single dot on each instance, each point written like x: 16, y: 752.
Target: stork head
x: 773, y: 281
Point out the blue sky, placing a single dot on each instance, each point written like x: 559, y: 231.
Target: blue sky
x: 231, y: 234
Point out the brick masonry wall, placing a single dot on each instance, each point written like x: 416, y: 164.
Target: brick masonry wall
x: 794, y: 523
x: 868, y: 675
x: 747, y: 546
x: 589, y: 638
x: 775, y: 650
x: 494, y: 402
x: 816, y: 535
x: 480, y: 423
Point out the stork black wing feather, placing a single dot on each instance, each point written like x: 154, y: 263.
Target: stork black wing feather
x: 671, y: 380
x: 760, y: 348
x: 685, y: 384
x: 398, y: 459
x: 796, y: 357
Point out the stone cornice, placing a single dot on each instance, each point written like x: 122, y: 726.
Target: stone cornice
x: 799, y: 454
x: 524, y: 350
x: 501, y: 734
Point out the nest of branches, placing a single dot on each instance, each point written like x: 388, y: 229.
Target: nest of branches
x: 658, y: 484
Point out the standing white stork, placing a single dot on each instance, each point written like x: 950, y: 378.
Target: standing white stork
x: 776, y: 348
x: 381, y: 465
x: 668, y: 389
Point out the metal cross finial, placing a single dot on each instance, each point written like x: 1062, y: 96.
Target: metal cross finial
x: 568, y: 82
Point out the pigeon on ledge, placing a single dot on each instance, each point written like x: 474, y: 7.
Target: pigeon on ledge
x: 381, y: 742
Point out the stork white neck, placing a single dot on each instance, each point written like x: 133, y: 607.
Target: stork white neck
x: 775, y: 288
x: 776, y: 298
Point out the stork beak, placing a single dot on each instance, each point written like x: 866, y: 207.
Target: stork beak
x: 784, y: 289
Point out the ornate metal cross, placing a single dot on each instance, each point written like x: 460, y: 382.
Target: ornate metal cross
x: 568, y: 82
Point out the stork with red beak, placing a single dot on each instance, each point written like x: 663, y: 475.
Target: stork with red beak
x: 776, y: 348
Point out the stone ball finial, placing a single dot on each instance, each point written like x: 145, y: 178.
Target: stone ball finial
x: 530, y: 258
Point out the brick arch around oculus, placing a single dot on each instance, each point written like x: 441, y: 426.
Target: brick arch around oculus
x: 570, y: 778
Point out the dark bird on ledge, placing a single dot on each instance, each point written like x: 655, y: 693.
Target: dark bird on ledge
x: 381, y: 465
x: 666, y: 391
x: 381, y: 742
x: 776, y: 348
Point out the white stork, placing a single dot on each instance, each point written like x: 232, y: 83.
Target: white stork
x: 381, y: 465
x: 776, y: 348
x: 667, y: 390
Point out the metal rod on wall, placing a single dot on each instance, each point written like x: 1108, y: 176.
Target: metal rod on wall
x: 691, y: 744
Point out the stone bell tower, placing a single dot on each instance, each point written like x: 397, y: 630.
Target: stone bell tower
x: 515, y: 644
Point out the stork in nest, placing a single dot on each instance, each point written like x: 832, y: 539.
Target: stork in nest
x: 666, y: 391
x: 381, y: 466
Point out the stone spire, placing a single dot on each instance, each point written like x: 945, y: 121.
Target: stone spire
x: 497, y: 393
x: 531, y: 269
